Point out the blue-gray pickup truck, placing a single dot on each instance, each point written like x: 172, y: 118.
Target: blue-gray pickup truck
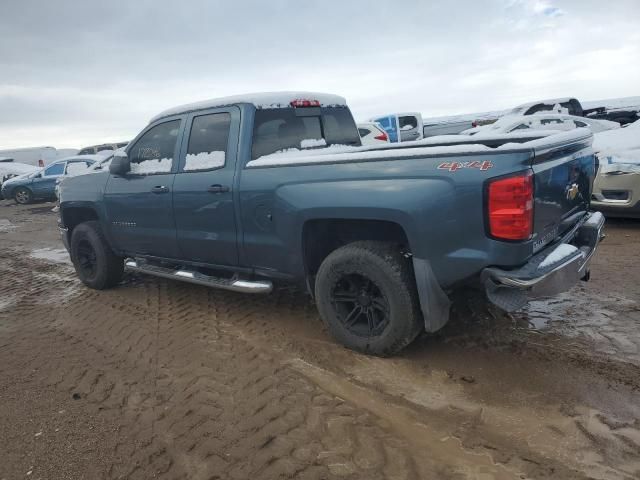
x: 243, y: 192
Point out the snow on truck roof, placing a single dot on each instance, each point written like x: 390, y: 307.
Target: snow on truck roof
x: 259, y: 100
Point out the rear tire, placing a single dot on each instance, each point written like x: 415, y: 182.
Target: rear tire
x: 95, y: 263
x: 23, y: 196
x: 366, y: 296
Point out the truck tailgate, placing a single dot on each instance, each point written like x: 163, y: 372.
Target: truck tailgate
x: 564, y: 170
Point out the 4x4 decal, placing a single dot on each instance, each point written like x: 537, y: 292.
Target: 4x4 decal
x: 453, y: 166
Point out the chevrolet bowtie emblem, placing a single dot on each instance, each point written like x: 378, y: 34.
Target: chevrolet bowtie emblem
x: 572, y: 191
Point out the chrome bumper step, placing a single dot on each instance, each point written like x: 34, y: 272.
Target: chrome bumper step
x: 235, y: 283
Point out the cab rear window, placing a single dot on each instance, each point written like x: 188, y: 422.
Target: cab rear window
x: 284, y: 128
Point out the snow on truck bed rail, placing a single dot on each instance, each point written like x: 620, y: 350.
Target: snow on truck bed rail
x: 439, y: 145
x: 259, y: 100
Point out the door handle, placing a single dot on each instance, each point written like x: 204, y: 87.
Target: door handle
x: 159, y: 189
x: 218, y: 189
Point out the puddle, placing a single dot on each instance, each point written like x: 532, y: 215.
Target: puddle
x: 608, y: 322
x: 6, y: 225
x: 55, y: 255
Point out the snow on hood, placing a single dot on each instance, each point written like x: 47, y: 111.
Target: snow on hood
x: 259, y: 100
x: 619, y: 147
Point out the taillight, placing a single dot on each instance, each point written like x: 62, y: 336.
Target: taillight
x: 383, y: 137
x: 41, y: 163
x: 510, y: 207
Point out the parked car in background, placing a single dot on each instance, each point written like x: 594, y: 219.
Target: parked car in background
x: 571, y: 106
x: 401, y: 127
x: 616, y: 190
x: 12, y: 169
x: 99, y: 165
x: 36, y: 156
x: 196, y: 198
x: 446, y: 128
x: 94, y: 149
x: 40, y: 185
x: 541, y: 121
x: 372, y: 133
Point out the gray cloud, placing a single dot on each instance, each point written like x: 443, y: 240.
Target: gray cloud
x: 74, y: 73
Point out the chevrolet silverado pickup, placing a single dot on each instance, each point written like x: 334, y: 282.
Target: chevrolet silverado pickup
x: 243, y: 192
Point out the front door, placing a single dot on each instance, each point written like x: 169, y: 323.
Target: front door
x: 44, y: 186
x: 139, y: 204
x: 203, y: 197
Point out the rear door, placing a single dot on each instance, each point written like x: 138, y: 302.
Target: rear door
x: 203, y: 197
x: 409, y: 128
x: 139, y: 204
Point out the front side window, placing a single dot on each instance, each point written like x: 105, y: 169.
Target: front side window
x: 55, y: 169
x: 208, y: 142
x: 153, y: 152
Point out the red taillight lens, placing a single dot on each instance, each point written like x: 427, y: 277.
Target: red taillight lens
x: 41, y: 163
x: 510, y: 206
x: 383, y: 137
x: 301, y: 102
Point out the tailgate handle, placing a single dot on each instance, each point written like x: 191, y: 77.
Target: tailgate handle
x: 218, y: 189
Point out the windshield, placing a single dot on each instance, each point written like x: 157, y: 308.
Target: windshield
x: 279, y: 129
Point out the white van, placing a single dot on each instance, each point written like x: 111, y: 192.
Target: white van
x: 401, y: 127
x: 36, y: 156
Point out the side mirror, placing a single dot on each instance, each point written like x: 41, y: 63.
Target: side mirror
x: 120, y: 165
x: 37, y: 175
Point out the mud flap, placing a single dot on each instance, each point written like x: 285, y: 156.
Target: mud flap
x: 434, y: 303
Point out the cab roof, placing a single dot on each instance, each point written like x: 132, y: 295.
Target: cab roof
x: 259, y: 100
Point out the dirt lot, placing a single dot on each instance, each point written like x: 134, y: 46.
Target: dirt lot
x: 157, y: 379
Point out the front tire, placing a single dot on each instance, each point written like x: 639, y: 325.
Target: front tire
x: 95, y: 263
x: 367, y: 298
x: 23, y: 196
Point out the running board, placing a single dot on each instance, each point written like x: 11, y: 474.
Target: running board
x: 234, y: 284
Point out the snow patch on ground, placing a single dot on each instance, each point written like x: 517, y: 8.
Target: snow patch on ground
x: 204, y: 161
x: 55, y: 255
x: 6, y: 225
x: 561, y: 252
x: 154, y: 165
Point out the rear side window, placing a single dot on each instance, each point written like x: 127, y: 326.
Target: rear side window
x: 284, y: 128
x: 408, y: 122
x: 208, y: 142
x: 153, y: 152
x: 580, y: 124
x: 363, y: 132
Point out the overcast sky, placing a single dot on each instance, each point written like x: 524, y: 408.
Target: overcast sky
x: 74, y: 73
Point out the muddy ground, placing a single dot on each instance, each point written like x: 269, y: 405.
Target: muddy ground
x: 157, y: 379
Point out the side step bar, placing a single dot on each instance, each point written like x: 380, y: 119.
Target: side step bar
x: 234, y: 284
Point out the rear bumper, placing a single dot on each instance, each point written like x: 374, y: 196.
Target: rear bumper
x: 554, y: 270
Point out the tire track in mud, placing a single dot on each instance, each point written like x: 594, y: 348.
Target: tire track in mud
x: 196, y: 390
x: 189, y: 400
